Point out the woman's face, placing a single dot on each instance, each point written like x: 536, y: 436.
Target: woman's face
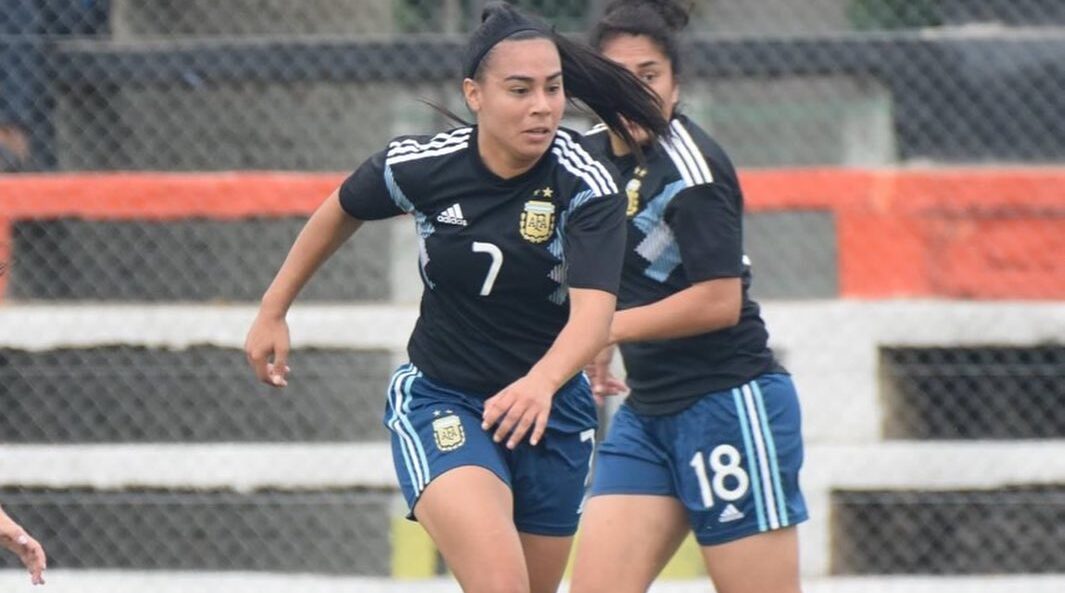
x: 642, y: 56
x: 518, y: 101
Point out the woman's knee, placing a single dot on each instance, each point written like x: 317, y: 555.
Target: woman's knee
x: 499, y: 580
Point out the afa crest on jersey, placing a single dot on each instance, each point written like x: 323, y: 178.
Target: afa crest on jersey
x: 632, y: 190
x: 538, y: 219
x: 448, y: 433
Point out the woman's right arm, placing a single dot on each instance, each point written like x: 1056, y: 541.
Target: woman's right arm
x: 267, y: 344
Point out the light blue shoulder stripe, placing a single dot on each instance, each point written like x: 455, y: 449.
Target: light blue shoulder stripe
x: 394, y: 190
x: 580, y: 199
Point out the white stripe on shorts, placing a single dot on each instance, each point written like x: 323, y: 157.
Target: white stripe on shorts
x: 763, y: 457
x: 410, y: 452
x: 771, y: 446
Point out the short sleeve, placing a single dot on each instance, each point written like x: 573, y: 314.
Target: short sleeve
x: 365, y: 194
x: 595, y: 243
x: 707, y: 222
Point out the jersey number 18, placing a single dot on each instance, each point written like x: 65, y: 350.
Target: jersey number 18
x: 724, y: 462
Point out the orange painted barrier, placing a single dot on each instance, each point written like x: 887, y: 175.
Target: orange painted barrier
x: 983, y: 233
x: 988, y: 233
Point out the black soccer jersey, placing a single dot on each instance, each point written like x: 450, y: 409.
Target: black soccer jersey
x: 685, y: 214
x: 496, y: 255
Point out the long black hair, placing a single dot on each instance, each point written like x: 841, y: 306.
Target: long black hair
x: 659, y: 20
x: 612, y: 92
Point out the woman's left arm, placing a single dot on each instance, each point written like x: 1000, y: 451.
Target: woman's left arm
x: 583, y: 336
x: 704, y: 307
x: 594, y: 248
x: 707, y: 223
x: 525, y: 404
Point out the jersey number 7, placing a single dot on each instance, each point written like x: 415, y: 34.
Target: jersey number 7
x: 493, y: 270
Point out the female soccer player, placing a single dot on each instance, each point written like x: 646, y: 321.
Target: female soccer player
x: 522, y: 240
x: 29, y: 551
x: 709, y: 438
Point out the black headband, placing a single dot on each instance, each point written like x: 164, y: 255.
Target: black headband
x: 498, y: 21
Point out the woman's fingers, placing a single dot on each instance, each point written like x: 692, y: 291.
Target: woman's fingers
x: 540, y: 427
x: 527, y: 421
x: 33, y: 558
x: 494, y: 409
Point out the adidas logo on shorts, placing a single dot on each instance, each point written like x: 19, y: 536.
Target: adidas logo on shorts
x: 452, y: 215
x: 731, y: 513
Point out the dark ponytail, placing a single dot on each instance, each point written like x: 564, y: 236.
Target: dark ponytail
x: 659, y: 20
x: 612, y: 92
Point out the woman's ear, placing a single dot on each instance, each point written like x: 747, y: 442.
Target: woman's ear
x: 472, y: 91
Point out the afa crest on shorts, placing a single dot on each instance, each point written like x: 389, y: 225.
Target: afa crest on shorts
x: 448, y: 433
x: 538, y: 218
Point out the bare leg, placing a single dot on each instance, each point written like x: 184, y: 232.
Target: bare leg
x: 546, y: 558
x: 468, y: 511
x: 625, y: 541
x: 763, y: 563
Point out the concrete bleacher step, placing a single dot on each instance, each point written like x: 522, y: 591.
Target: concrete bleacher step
x: 974, y: 392
x: 212, y: 110
x: 184, y: 260
x: 798, y: 120
x: 281, y: 508
x: 199, y: 110
x: 200, y: 259
x: 276, y: 531
x: 884, y: 508
x: 233, y: 121
x: 1010, y: 530
x: 833, y: 348
x: 197, y: 394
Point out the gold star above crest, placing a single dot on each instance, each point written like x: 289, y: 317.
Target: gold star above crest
x: 546, y: 192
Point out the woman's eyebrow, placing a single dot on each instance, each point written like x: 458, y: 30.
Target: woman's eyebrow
x: 523, y: 78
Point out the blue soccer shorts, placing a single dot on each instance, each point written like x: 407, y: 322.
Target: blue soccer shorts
x: 732, y: 459
x: 436, y: 428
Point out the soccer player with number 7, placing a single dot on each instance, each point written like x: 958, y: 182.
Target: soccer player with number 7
x: 709, y: 439
x: 521, y: 236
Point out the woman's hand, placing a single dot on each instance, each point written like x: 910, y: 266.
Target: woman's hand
x: 603, y: 381
x: 29, y: 550
x: 267, y: 344
x: 266, y: 348
x: 523, y: 405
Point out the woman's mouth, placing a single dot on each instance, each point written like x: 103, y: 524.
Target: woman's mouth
x: 538, y: 133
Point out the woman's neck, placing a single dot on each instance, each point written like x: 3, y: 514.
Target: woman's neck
x: 497, y: 159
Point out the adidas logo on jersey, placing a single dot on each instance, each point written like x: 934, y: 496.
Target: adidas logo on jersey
x: 452, y: 215
x: 731, y: 513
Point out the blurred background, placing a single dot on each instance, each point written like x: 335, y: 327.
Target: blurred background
x: 904, y: 169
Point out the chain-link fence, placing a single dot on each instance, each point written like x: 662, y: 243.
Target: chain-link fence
x: 199, y: 85
x: 903, y: 169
